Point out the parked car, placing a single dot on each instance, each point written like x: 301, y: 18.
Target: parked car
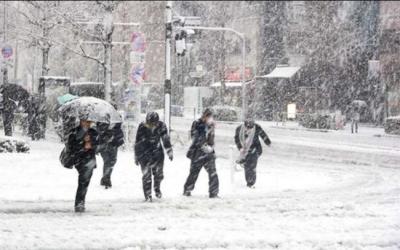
x: 95, y: 89
x: 316, y: 120
x: 392, y: 125
x: 177, y: 110
x: 226, y: 113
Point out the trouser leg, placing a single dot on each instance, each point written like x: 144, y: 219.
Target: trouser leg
x: 85, y: 174
x: 193, y: 175
x: 356, y: 124
x: 158, y: 173
x: 250, y: 166
x: 213, y: 182
x: 109, y: 158
x: 7, y: 123
x: 352, y: 126
x: 146, y: 179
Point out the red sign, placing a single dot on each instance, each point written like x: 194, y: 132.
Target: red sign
x: 7, y: 51
x: 138, y: 42
x: 235, y: 74
x: 138, y: 73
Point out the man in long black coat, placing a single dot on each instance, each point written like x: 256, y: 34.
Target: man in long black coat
x: 248, y: 143
x: 110, y: 140
x: 202, y: 154
x: 149, y: 152
x: 82, y: 143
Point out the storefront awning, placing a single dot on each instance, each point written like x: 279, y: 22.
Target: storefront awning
x: 282, y: 72
x: 228, y: 84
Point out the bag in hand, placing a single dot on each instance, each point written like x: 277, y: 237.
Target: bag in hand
x: 66, y: 159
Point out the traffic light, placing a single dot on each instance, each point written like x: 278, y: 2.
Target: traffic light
x: 180, y: 43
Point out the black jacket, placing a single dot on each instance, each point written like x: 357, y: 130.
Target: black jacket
x: 256, y: 141
x: 75, y: 145
x: 201, y: 134
x: 113, y: 137
x: 148, y: 142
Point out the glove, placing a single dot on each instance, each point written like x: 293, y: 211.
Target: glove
x: 207, y: 149
x: 170, y: 154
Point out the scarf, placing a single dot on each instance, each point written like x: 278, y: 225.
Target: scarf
x: 246, y: 142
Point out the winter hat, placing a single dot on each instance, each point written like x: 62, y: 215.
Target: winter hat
x: 152, y: 117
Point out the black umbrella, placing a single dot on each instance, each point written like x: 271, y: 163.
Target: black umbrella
x: 88, y: 108
x: 14, y: 96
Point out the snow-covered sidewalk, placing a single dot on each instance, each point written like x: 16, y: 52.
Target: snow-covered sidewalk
x: 307, y: 197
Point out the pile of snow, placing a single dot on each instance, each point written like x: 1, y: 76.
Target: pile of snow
x: 10, y: 144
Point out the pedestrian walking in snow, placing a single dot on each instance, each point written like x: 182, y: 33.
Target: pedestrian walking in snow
x: 248, y: 143
x: 202, y: 154
x: 109, y: 141
x: 355, y: 119
x: 151, y: 139
x: 82, y: 143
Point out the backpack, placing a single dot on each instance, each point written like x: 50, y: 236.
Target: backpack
x: 66, y: 159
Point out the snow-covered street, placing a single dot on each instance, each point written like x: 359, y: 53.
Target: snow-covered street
x: 315, y: 190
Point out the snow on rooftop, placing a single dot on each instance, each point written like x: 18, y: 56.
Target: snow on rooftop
x: 87, y: 83
x: 282, y: 72
x: 55, y: 77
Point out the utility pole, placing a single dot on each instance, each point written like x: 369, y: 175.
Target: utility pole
x: 167, y: 84
x: 4, y: 76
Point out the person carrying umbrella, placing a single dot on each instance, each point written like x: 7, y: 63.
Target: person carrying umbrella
x: 149, y: 153
x: 202, y: 154
x: 248, y: 143
x: 81, y: 145
x: 78, y: 117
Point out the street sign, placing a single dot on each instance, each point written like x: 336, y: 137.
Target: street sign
x: 7, y: 51
x: 138, y: 42
x: 138, y: 73
x: 136, y: 57
x: 198, y: 73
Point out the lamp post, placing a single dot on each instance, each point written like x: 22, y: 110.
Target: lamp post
x: 167, y: 83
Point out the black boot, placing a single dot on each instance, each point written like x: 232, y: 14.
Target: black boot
x: 214, y: 196
x: 80, y: 208
x: 158, y: 194
x: 187, y: 193
x: 106, y: 182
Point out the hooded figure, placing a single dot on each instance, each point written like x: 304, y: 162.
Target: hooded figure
x: 202, y: 154
x: 109, y: 140
x: 248, y: 143
x: 81, y: 145
x: 151, y: 139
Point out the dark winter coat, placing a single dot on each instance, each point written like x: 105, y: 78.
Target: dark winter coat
x: 256, y: 145
x: 202, y: 134
x: 148, y: 142
x: 75, y: 145
x: 113, y: 137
